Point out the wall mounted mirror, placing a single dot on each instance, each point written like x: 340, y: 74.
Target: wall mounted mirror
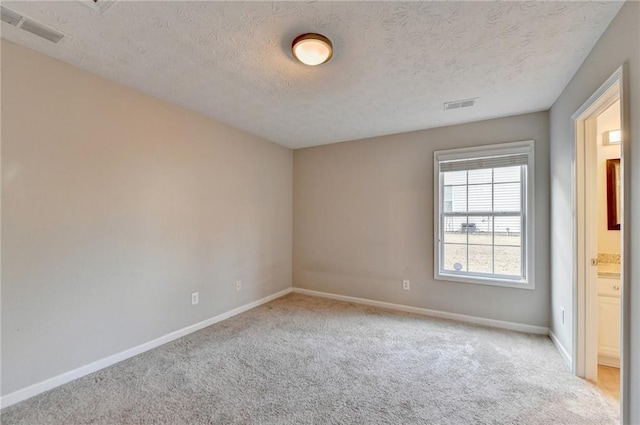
x: 613, y: 194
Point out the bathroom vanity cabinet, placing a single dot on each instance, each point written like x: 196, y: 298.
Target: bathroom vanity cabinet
x: 609, y: 314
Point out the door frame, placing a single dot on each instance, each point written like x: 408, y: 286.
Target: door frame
x: 584, y: 275
x: 587, y: 222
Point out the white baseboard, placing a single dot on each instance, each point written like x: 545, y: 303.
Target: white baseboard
x: 520, y: 327
x: 609, y: 361
x: 63, y: 378
x: 609, y: 357
x: 563, y: 351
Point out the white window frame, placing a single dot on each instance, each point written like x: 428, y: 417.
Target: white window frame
x: 528, y: 243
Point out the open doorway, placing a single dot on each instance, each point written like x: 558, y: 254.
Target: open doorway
x: 606, y: 194
x: 599, y: 242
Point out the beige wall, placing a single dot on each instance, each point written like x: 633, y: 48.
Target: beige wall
x: 363, y: 220
x: 115, y: 208
x: 608, y: 240
x: 619, y: 44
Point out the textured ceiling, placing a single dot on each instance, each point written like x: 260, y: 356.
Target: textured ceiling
x: 394, y: 64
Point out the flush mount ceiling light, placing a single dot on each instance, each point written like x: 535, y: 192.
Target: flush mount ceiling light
x: 312, y: 49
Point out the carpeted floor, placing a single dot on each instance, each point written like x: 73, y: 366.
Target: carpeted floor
x: 308, y: 360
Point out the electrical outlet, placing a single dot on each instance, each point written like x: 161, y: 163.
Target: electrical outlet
x: 406, y: 285
x: 194, y: 298
x: 238, y: 285
x: 562, y: 311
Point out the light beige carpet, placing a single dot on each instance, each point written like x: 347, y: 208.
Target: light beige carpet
x: 303, y: 360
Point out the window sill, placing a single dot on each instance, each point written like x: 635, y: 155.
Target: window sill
x: 485, y: 281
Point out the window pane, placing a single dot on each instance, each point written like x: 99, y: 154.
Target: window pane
x: 454, y: 229
x: 480, y: 259
x: 508, y: 261
x: 480, y: 198
x: 454, y: 257
x: 447, y: 203
x: 506, y: 174
x: 459, y: 198
x: 455, y: 237
x: 482, y: 233
x: 508, y: 230
x: 455, y: 177
x: 506, y: 197
x: 480, y: 176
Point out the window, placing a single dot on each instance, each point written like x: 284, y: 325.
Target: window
x: 484, y: 215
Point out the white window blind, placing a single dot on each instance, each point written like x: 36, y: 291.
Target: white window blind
x: 484, y: 163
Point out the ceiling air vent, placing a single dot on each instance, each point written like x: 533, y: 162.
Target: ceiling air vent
x: 9, y: 16
x: 98, y: 5
x: 36, y: 28
x: 457, y: 104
